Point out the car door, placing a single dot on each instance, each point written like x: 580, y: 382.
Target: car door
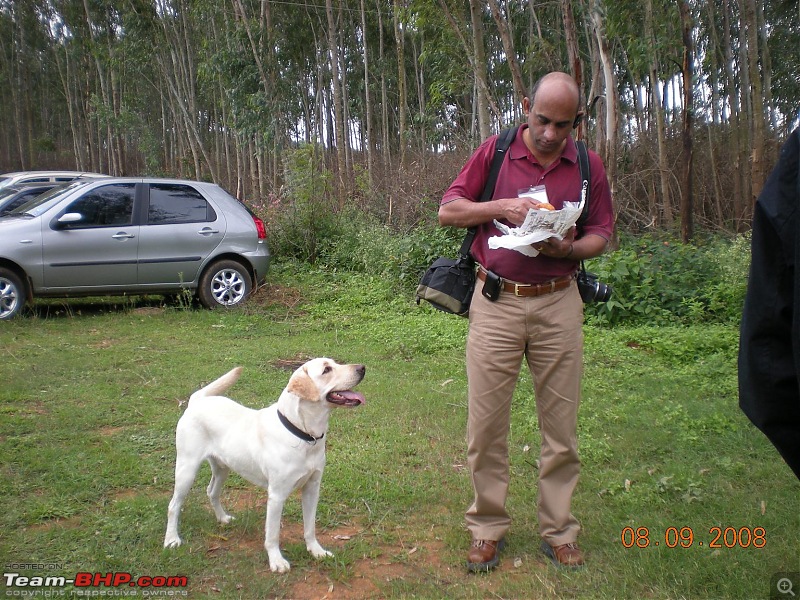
x: 181, y: 229
x: 92, y: 242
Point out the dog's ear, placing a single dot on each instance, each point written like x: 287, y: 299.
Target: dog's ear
x: 302, y: 386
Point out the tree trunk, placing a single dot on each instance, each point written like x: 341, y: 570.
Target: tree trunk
x: 573, y: 51
x: 479, y: 59
x: 658, y: 116
x: 368, y: 142
x: 508, y: 48
x: 402, y: 109
x: 612, y: 98
x: 687, y: 195
x: 758, y: 171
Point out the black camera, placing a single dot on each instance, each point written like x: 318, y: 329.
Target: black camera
x: 592, y: 289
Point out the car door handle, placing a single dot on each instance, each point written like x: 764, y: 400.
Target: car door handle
x: 122, y: 235
x: 208, y: 231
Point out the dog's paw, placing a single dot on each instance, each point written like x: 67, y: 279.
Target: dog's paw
x: 172, y: 541
x: 318, y: 551
x: 278, y: 564
x: 226, y: 519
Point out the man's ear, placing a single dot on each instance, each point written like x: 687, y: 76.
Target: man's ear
x: 578, y: 119
x: 302, y: 386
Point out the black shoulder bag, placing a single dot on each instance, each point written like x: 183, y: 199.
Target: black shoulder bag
x: 448, y: 283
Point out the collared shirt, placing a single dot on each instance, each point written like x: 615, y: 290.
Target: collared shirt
x: 521, y: 170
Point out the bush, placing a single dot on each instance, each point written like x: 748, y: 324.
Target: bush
x: 656, y: 280
x: 659, y: 280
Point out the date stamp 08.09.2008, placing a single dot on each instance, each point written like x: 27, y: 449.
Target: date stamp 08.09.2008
x: 716, y: 537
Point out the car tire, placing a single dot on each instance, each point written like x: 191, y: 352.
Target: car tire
x: 225, y: 283
x: 12, y: 294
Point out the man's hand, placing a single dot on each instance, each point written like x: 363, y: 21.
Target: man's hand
x: 556, y: 248
x: 515, y: 210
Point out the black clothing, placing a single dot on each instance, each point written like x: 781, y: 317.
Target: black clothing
x: 769, y: 346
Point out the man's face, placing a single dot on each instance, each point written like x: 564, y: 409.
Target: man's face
x: 550, y: 120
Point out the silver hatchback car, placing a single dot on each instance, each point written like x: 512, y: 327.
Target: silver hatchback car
x: 119, y: 236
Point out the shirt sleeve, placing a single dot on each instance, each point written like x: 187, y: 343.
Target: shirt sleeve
x: 472, y: 179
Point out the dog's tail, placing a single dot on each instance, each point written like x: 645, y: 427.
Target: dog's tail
x: 215, y: 388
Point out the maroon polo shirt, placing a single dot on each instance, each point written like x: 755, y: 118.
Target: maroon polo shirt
x: 521, y: 170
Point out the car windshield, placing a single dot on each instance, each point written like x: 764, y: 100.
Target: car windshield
x: 6, y: 192
x: 38, y: 205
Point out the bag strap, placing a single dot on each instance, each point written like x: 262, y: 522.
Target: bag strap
x: 504, y: 140
x: 586, y: 180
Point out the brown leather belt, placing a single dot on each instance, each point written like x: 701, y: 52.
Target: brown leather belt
x: 530, y: 290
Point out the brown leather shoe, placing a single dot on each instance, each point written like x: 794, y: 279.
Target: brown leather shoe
x: 484, y: 555
x: 565, y: 555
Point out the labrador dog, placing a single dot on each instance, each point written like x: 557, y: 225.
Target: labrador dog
x: 280, y: 448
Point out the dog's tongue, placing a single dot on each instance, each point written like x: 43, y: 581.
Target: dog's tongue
x: 351, y: 396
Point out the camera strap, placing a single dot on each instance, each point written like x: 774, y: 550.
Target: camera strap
x: 504, y: 140
x: 586, y: 180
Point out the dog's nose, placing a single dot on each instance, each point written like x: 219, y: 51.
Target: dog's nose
x: 361, y: 369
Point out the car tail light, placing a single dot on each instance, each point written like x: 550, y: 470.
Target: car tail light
x: 260, y: 227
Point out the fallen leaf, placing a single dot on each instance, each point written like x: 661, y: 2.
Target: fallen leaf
x: 414, y: 549
x: 763, y: 507
x: 517, y: 563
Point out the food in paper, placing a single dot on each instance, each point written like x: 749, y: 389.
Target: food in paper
x: 539, y: 225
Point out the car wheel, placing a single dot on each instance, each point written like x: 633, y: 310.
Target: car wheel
x: 12, y: 294
x: 225, y: 283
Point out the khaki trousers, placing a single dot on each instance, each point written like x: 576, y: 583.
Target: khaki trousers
x: 548, y: 331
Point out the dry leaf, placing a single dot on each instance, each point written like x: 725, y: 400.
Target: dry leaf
x: 627, y: 485
x: 414, y: 549
x: 763, y: 507
x: 342, y: 537
x: 517, y: 563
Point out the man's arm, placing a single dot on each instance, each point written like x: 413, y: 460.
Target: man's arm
x: 465, y: 213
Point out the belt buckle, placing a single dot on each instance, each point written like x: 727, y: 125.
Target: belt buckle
x: 517, y: 287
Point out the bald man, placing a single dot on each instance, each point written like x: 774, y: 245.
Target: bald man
x: 537, y: 314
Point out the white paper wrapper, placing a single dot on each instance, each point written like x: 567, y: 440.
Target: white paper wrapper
x: 539, y: 225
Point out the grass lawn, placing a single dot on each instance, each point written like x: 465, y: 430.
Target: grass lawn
x: 680, y: 497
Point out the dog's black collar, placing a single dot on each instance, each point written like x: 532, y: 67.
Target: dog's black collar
x: 306, y: 437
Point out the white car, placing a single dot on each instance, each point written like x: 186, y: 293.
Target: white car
x: 119, y: 236
x: 19, y: 177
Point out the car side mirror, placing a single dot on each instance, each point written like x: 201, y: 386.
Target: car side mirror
x: 68, y: 218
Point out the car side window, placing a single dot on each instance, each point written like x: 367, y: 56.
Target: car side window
x: 106, y: 206
x: 177, y: 203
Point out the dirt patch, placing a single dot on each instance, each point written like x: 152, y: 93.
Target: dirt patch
x: 271, y: 294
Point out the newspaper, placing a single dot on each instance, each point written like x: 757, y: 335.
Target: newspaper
x: 538, y: 226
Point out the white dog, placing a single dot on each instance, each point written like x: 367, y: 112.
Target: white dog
x: 280, y: 448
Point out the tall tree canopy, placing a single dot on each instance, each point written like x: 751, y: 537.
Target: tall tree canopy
x: 401, y: 90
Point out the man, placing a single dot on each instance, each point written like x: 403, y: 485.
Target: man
x: 769, y: 348
x: 538, y: 315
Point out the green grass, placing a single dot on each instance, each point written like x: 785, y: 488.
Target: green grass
x: 91, y: 394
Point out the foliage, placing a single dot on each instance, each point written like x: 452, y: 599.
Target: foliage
x: 655, y: 279
x: 302, y: 215
x: 658, y: 280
